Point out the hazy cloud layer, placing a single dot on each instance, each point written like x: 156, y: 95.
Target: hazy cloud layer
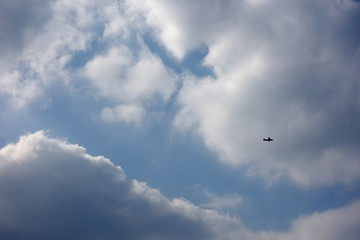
x: 53, y: 189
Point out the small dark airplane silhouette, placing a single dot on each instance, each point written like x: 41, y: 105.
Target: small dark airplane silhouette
x: 268, y: 139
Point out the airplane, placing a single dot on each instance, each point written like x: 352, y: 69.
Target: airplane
x: 268, y: 139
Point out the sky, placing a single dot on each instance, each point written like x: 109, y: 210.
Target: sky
x: 129, y: 119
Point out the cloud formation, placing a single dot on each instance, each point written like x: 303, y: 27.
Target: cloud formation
x: 125, y: 72
x: 18, y: 25
x: 129, y: 81
x: 281, y: 70
x: 47, y: 36
x: 53, y: 189
x: 332, y: 224
x: 183, y: 26
x: 273, y: 68
x: 289, y: 71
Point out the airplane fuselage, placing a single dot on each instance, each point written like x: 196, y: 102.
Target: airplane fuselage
x: 268, y: 139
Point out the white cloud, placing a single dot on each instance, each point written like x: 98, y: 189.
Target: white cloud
x: 20, y: 92
x: 341, y: 223
x: 48, y: 36
x: 184, y: 25
x: 120, y: 76
x: 41, y: 57
x: 132, y: 82
x: 53, y: 189
x: 277, y: 73
x: 124, y: 113
x: 118, y: 23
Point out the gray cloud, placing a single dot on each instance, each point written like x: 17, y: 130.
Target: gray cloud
x: 20, y: 22
x: 51, y: 189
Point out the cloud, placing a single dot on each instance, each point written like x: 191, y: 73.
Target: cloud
x: 50, y: 188
x: 332, y: 224
x: 50, y: 37
x: 209, y: 200
x: 47, y: 35
x: 18, y: 25
x: 124, y: 113
x: 20, y: 92
x: 229, y: 201
x: 120, y: 76
x: 281, y: 71
x: 119, y: 23
x: 130, y: 81
x: 184, y: 26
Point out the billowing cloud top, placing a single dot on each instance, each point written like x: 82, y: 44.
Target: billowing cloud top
x: 52, y: 189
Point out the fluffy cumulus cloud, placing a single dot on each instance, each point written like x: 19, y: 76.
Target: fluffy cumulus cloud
x: 131, y: 81
x: 50, y: 188
x: 285, y: 70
